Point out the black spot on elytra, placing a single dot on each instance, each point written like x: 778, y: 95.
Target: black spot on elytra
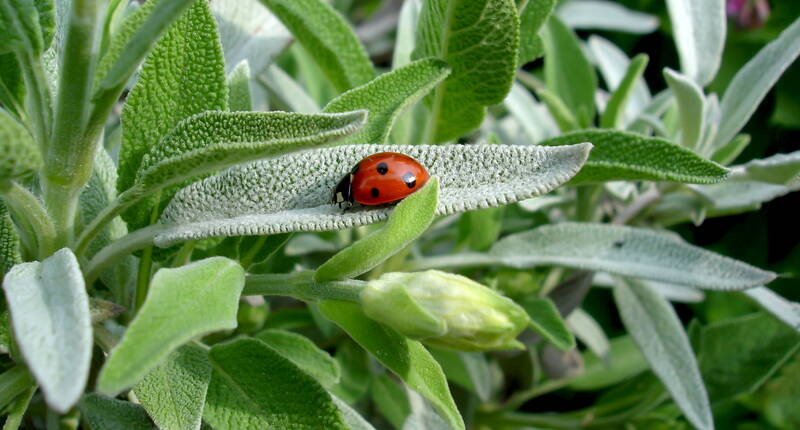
x: 375, y: 192
x: 382, y: 168
x: 409, y: 179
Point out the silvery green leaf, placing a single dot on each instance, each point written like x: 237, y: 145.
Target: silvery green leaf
x: 96, y: 195
x: 239, y: 96
x: 781, y: 169
x: 614, y: 111
x: 303, y: 244
x: 783, y: 309
x: 422, y: 415
x: 50, y: 316
x: 699, y: 30
x: 468, y: 369
x: 623, y: 362
x: 753, y: 81
x: 588, y: 331
x: 606, y: 15
x: 19, y: 155
x: 741, y: 196
x: 627, y: 251
x: 283, y: 86
x: 406, y: 27
x: 671, y: 292
x: 531, y: 115
x: 658, y: 332
x: 540, y: 203
x: 712, y: 120
x: 292, y: 193
x: 691, y: 107
x: 351, y: 418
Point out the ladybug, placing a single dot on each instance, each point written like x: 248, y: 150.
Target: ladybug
x: 382, y: 178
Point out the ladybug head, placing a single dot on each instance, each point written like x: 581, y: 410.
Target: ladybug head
x: 341, y: 193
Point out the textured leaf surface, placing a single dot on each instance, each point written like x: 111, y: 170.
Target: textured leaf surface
x: 252, y: 386
x: 173, y: 394
x: 98, y: 193
x: 606, y: 15
x: 409, y: 220
x: 546, y: 320
x: 50, y: 317
x: 629, y: 156
x: 785, y: 310
x: 19, y: 24
x: 699, y: 30
x: 105, y: 413
x: 531, y: 20
x: 691, y: 106
x: 239, y: 96
x: 627, y: 251
x: 387, y: 96
x: 325, y: 34
x: 19, y: 155
x: 183, y: 75
x: 480, y: 42
x: 181, y: 303
x: 301, y: 351
x: 299, y: 188
x: 408, y: 359
x: 656, y: 329
x: 9, y: 242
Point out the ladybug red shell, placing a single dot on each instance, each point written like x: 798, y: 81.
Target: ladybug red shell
x: 382, y: 178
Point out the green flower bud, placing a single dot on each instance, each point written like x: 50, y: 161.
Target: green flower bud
x: 443, y: 309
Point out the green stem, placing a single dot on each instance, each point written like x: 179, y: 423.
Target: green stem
x: 184, y: 255
x: 586, y: 205
x: 26, y: 206
x: 122, y: 202
x: 143, y: 277
x: 301, y: 286
x: 253, y: 251
x: 38, y: 98
x: 13, y: 382
x: 120, y: 248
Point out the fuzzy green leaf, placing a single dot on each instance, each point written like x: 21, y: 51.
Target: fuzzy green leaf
x: 777, y: 169
x: 173, y: 394
x: 325, y: 34
x: 195, y: 299
x: 547, y: 321
x: 304, y: 354
x: 9, y: 242
x: 19, y: 155
x: 408, y: 359
x: 20, y: 27
x: 390, y: 399
x: 781, y: 308
x: 728, y: 152
x: 98, y: 193
x: 531, y: 20
x: 183, y: 75
x: 105, y: 413
x: 51, y: 319
x: 252, y: 386
x: 656, y: 329
x: 409, y: 220
x: 352, y: 419
x: 612, y: 116
x: 691, y: 107
x: 627, y: 251
x: 480, y: 42
x: 299, y: 185
x: 387, y: 96
x: 699, y: 30
x: 613, y: 65
x: 239, y: 96
x: 619, y: 155
x: 606, y: 15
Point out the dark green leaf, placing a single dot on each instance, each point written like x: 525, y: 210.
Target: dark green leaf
x: 612, y: 116
x: 531, y: 20
x: 546, y: 320
x: 106, y: 413
x: 19, y: 155
x: 303, y: 353
x: 624, y: 361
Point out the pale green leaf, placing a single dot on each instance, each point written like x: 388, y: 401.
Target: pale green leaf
x: 777, y: 169
x: 531, y: 115
x: 239, y: 95
x: 422, y: 415
x: 606, y: 15
x: 390, y: 399
x: 699, y: 30
x: 386, y: 96
x: 47, y: 20
x: 531, y: 20
x: 613, y: 64
x: 352, y: 419
x: 195, y: 299
x: 728, y: 152
x: 405, y: 38
x: 304, y: 354
x: 354, y: 365
x: 612, y: 116
x: 753, y: 81
x: 105, y: 413
x: 468, y: 369
x: 781, y: 308
x: 406, y: 358
x: 50, y: 317
x: 409, y: 220
x: 589, y: 331
x: 252, y: 386
x: 559, y: 110
x: 299, y: 187
x: 289, y: 92
x: 16, y: 411
x: 480, y: 42
x: 671, y: 292
x: 9, y: 242
x: 740, y: 196
x: 691, y: 107
x: 330, y: 40
x: 630, y: 156
x: 173, y: 394
x: 547, y: 321
x: 627, y: 251
x: 19, y: 155
x: 624, y: 361
x: 656, y: 329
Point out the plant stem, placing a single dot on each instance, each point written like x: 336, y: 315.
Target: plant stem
x: 13, y: 382
x: 26, y: 206
x: 184, y: 254
x: 642, y: 202
x: 253, y: 251
x: 120, y: 248
x: 301, y: 286
x: 38, y: 99
x: 586, y: 205
x: 143, y: 277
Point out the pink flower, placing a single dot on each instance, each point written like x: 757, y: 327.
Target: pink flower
x: 748, y: 14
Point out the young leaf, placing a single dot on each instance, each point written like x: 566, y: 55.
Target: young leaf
x: 606, y: 15
x: 386, y: 96
x: 699, y: 32
x: 252, y: 386
x: 531, y: 115
x: 195, y: 299
x: 612, y: 116
x: 623, y: 362
x: 408, y: 359
x: 301, y: 351
x: 627, y: 251
x: 105, y: 413
x: 325, y: 34
x: 98, y: 193
x: 691, y: 107
x: 406, y: 27
x: 409, y: 220
x: 183, y: 75
x: 468, y: 369
x: 19, y: 155
x: 589, y: 331
x: 480, y: 42
x: 173, y: 394
x: 299, y: 186
x: 613, y: 64
x: 728, y: 152
x: 782, y: 309
x: 546, y: 320
x: 567, y: 71
x: 622, y: 155
x: 531, y: 20
x: 239, y: 96
x: 9, y: 242
x: 753, y: 81
x: 286, y: 90
x: 658, y: 332
x: 777, y: 169
x: 21, y: 29
x: 50, y: 315
x: 390, y: 399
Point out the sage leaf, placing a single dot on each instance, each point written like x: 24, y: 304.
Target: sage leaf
x: 269, y: 391
x: 740, y: 196
x: 606, y: 15
x: 182, y: 76
x: 325, y: 34
x: 531, y: 20
x: 546, y: 320
x: 390, y: 399
x: 532, y: 116
x: 50, y: 317
x: 9, y: 242
x: 619, y: 155
x: 422, y: 415
x: 777, y: 169
x: 753, y: 81
x: 405, y: 38
x: 301, y: 351
x: 612, y: 116
x: 588, y: 331
x: 468, y: 369
x: 627, y: 251
x: 624, y: 361
x: 656, y: 329
x: 106, y: 413
x: 786, y: 311
x: 19, y: 155
x: 16, y: 411
x: 480, y: 42
x: 20, y: 26
x: 13, y: 382
x: 613, y: 64
x: 174, y: 392
x: 239, y: 96
x: 386, y: 96
x: 285, y: 91
x: 181, y: 303
x: 408, y: 359
x: 699, y: 31
x: 98, y: 193
x: 691, y: 107
x: 728, y: 152
x: 299, y: 186
x: 409, y: 220
x: 352, y: 419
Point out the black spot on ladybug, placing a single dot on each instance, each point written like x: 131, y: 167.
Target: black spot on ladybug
x: 375, y: 192
x: 409, y: 179
x: 618, y: 244
x: 382, y: 168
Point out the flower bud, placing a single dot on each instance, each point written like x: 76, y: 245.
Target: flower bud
x: 443, y: 309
